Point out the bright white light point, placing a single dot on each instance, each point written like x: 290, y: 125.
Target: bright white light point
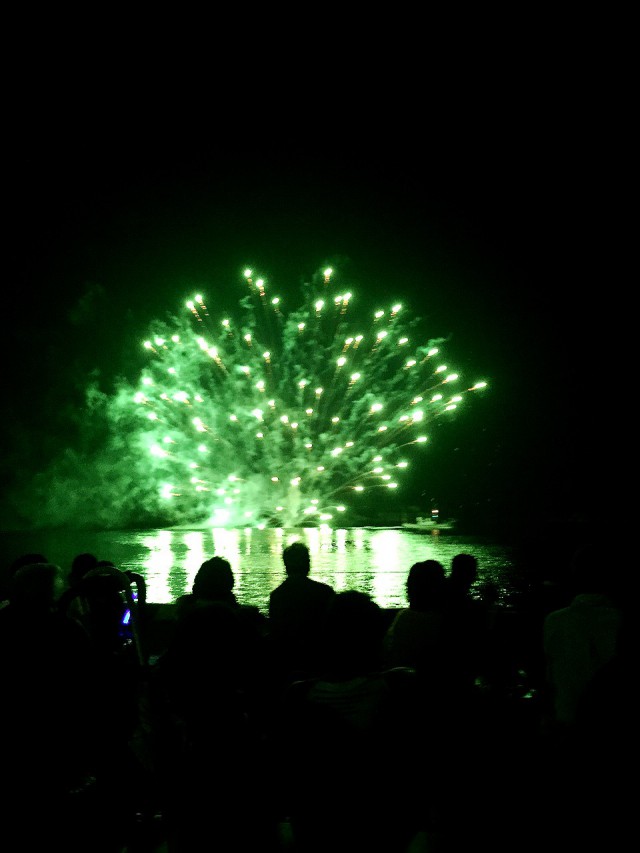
x: 451, y: 377
x: 194, y: 480
x: 402, y: 464
x: 213, y: 352
x: 348, y: 444
x: 228, y: 501
x: 436, y: 397
x: 266, y: 354
x: 168, y: 440
x: 315, y: 501
x: 232, y: 478
x: 417, y: 416
x: 382, y: 429
x: 248, y: 273
x: 421, y: 439
x: 348, y: 341
x: 139, y: 397
x: 355, y: 377
x: 257, y: 413
x: 260, y: 282
x: 337, y: 299
x: 335, y: 420
x: 271, y: 403
x: 320, y: 468
x: 440, y: 369
x: 198, y: 298
x: 392, y: 485
x: 386, y: 477
x: 359, y: 338
x: 336, y: 451
x: 275, y: 300
x: 147, y: 345
x: 301, y: 326
x: 479, y: 385
x: 358, y: 488
x: 403, y: 341
x: 341, y: 361
x: 302, y: 383
x: 247, y: 337
x: 219, y: 493
x: 152, y: 416
x: 259, y: 435
x: 308, y: 411
x: 456, y: 399
x: 319, y: 305
x: 378, y: 314
x: 156, y: 450
x: 260, y: 385
x: 246, y: 370
x: 275, y: 479
x: 395, y: 308
x: 410, y: 363
x: 295, y: 481
x: 294, y: 424
x: 326, y: 516
x: 341, y: 508
x: 197, y: 422
x: 233, y: 417
x: 193, y: 465
x: 198, y: 398
x: 450, y: 408
x: 308, y: 510
x: 175, y: 338
x: 279, y: 508
x: 378, y: 470
x: 433, y: 351
x: 308, y: 445
x: 202, y: 448
x: 319, y: 391
x: 284, y: 419
x: 191, y: 304
x: 147, y: 380
x: 376, y: 407
x: 328, y: 272
x: 377, y: 458
x: 382, y: 335
x: 225, y: 322
x: 403, y: 418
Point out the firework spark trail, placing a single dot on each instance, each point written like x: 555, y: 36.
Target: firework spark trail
x: 285, y: 419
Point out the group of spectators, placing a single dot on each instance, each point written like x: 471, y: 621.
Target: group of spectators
x: 328, y: 724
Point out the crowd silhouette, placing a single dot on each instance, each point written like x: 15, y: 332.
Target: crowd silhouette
x: 327, y: 724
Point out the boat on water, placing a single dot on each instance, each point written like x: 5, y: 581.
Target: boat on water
x: 431, y: 524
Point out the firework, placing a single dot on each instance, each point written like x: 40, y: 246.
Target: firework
x: 285, y: 418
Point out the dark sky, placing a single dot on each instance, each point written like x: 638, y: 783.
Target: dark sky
x: 492, y: 240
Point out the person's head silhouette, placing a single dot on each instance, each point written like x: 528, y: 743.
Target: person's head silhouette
x: 297, y: 560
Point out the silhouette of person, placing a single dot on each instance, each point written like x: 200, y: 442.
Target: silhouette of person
x: 48, y: 709
x: 296, y: 609
x: 338, y: 737
x: 582, y: 637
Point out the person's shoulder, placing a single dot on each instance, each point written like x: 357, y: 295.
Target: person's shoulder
x: 321, y: 585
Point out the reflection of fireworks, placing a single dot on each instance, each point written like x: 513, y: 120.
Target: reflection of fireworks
x: 284, y: 420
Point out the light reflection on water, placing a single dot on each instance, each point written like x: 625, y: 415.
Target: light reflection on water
x: 372, y: 560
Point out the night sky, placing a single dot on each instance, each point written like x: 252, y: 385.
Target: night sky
x: 492, y: 242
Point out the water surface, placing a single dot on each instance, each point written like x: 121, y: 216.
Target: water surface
x: 372, y: 560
